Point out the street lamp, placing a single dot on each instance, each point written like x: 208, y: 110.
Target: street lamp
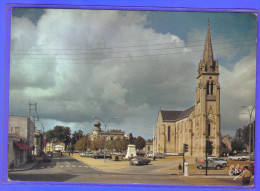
x: 250, y: 112
x: 105, y: 124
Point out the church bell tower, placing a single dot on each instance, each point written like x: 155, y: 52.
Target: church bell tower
x: 207, y: 100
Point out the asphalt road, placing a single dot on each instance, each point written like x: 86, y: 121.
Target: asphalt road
x: 68, y: 169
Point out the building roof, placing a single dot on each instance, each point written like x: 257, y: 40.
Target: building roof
x: 208, y: 52
x: 186, y: 112
x: 172, y: 116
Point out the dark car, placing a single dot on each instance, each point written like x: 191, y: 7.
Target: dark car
x: 100, y: 156
x: 139, y: 161
x: 46, y: 158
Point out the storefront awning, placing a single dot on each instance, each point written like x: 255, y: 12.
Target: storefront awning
x: 22, y: 146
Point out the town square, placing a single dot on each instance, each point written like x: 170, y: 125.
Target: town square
x: 132, y: 97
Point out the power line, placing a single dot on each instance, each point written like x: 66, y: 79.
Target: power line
x: 80, y: 53
x: 120, y: 57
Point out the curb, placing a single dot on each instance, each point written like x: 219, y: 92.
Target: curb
x: 29, y: 168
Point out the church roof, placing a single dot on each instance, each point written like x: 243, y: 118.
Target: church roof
x: 186, y: 112
x: 172, y: 116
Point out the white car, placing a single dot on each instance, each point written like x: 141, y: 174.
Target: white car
x: 238, y: 157
x: 87, y: 154
x: 220, y: 161
x: 172, y: 154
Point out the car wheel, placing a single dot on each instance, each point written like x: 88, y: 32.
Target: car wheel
x: 200, y: 167
x: 218, y: 167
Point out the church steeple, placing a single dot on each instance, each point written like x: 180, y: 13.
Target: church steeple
x: 208, y: 53
x: 208, y: 64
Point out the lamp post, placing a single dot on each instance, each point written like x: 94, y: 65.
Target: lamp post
x: 250, y: 112
x: 105, y: 124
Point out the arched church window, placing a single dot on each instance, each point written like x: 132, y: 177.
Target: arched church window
x: 169, y: 133
x: 212, y: 88
x: 207, y: 88
x: 209, y: 129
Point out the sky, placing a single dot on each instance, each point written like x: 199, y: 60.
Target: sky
x: 76, y: 64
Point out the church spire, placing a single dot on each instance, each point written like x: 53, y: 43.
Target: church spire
x: 208, y: 52
x: 208, y: 64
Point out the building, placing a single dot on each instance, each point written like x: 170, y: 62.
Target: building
x: 109, y: 135
x: 199, y: 123
x: 148, y: 147
x: 38, y: 143
x: 226, y: 145
x: 55, y: 145
x: 20, y: 139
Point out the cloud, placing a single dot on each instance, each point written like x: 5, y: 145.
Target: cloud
x: 237, y: 88
x: 76, y: 64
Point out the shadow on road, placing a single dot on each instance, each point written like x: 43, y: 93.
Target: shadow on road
x: 61, y: 177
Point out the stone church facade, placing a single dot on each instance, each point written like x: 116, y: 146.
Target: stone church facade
x: 199, y: 123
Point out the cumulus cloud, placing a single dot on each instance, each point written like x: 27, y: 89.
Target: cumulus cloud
x: 76, y: 64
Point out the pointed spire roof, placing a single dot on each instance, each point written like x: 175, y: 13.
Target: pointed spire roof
x: 208, y: 52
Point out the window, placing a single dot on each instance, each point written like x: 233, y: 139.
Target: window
x: 207, y: 88
x: 211, y: 88
x: 17, y: 130
x: 208, y: 129
x: 169, y: 133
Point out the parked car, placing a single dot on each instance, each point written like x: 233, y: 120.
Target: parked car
x: 172, y: 154
x: 46, y: 158
x: 212, y: 157
x: 100, y: 156
x: 239, y: 157
x: 220, y: 161
x: 236, y: 170
x: 86, y: 154
x: 201, y: 163
x: 157, y: 155
x: 139, y: 161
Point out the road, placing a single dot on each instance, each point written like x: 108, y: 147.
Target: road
x: 68, y: 169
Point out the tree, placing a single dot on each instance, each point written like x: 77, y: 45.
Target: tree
x: 116, y: 130
x: 97, y: 144
x: 49, y: 135
x: 110, y: 145
x: 71, y: 147
x: 62, y: 133
x: 237, y: 145
x: 124, y: 144
x: 83, y: 143
x: 117, y: 144
x: 76, y: 136
x: 140, y: 143
x: 239, y: 134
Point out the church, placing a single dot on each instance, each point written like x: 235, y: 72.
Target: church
x: 199, y: 123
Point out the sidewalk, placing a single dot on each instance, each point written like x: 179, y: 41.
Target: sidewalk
x: 26, y: 166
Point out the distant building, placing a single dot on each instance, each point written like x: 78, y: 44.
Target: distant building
x: 55, y: 145
x: 199, y: 123
x: 148, y: 147
x: 38, y: 143
x: 20, y: 139
x: 226, y: 145
x: 109, y: 135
